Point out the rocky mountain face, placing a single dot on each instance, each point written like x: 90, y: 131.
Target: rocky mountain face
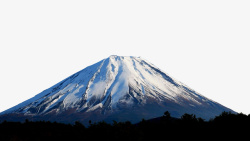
x: 116, y: 88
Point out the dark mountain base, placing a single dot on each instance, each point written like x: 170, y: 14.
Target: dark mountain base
x: 188, y: 127
x: 134, y: 114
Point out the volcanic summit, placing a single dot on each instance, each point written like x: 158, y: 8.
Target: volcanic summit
x: 121, y: 88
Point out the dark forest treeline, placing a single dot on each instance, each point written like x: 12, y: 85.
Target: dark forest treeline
x: 188, y: 127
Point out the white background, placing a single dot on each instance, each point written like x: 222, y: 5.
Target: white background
x: 202, y: 43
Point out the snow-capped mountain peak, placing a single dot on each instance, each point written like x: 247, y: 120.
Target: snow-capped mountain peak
x: 116, y: 84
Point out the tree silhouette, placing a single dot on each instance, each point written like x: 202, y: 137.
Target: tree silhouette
x: 166, y: 115
x: 188, y: 117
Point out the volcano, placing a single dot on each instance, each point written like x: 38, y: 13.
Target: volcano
x: 120, y: 88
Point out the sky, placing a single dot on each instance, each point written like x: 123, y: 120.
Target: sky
x: 204, y: 44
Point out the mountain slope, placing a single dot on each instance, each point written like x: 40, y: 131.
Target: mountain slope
x: 116, y: 88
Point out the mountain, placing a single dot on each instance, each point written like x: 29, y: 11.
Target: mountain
x: 116, y: 88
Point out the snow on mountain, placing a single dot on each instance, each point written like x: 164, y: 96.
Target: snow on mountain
x: 118, y: 85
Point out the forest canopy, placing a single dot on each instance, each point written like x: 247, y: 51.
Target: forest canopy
x: 225, y: 126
